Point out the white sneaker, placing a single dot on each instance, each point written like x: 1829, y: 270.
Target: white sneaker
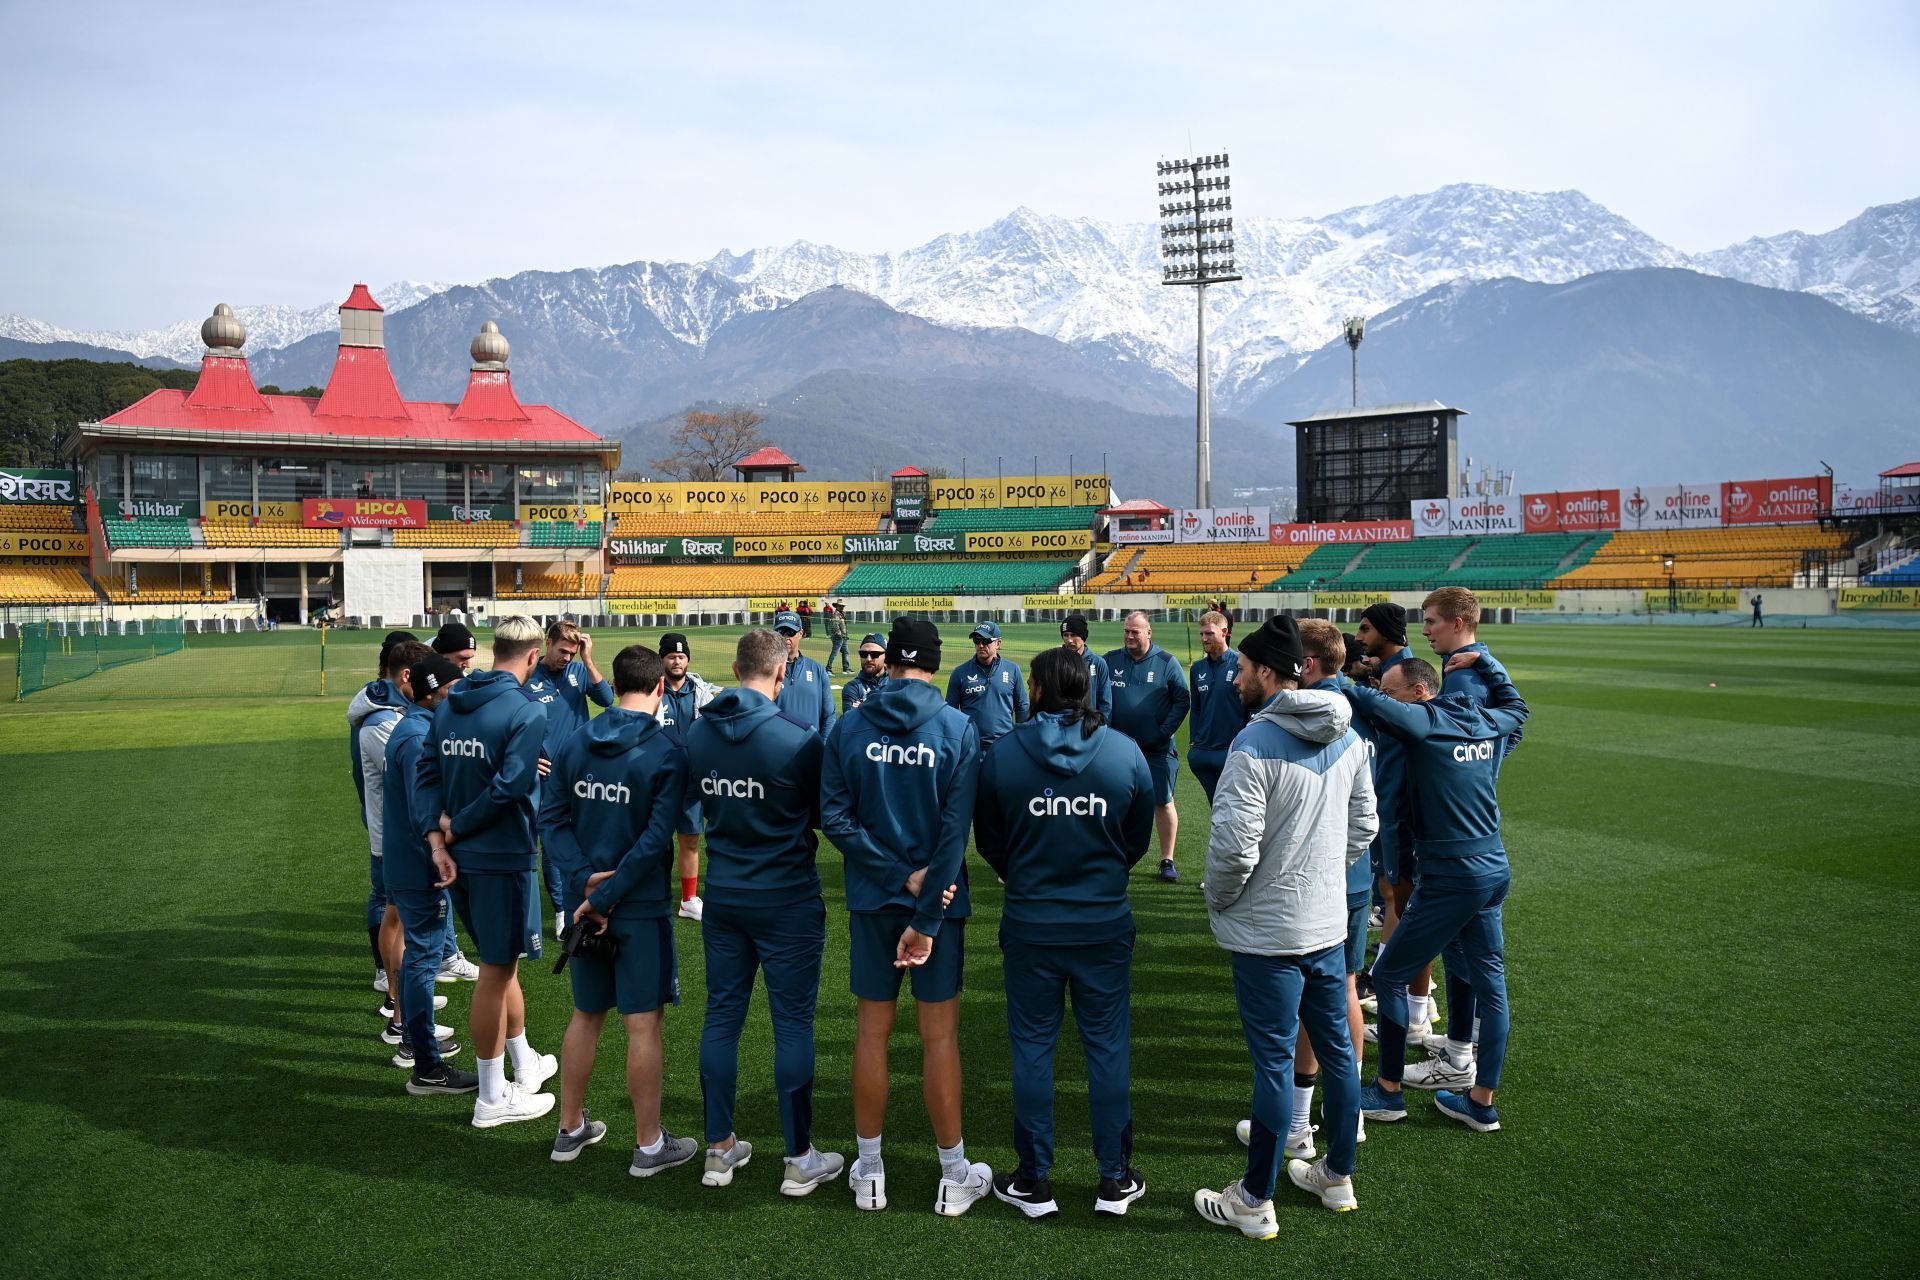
x: 516, y: 1105
x: 1360, y: 1130
x: 802, y: 1173
x: 559, y: 923
x: 869, y: 1193
x: 721, y: 1164
x: 1417, y: 1032
x: 379, y: 979
x: 1299, y: 1142
x: 691, y: 908
x: 543, y: 1070
x: 1438, y: 1073
x: 1230, y: 1209
x: 954, y: 1198
x: 1317, y: 1180
x: 457, y: 968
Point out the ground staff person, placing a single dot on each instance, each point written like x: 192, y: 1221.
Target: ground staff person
x: 1065, y: 809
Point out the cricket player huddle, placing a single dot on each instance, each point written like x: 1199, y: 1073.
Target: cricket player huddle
x: 1339, y: 771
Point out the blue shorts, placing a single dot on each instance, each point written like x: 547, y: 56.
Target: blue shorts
x: 1163, y: 768
x: 642, y: 978
x: 876, y: 939
x: 1206, y: 766
x: 693, y: 821
x: 1396, y: 859
x: 1358, y: 905
x: 501, y: 909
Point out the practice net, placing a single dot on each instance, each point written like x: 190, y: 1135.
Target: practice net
x: 53, y: 653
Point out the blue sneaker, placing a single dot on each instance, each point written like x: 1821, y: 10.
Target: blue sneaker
x: 1377, y: 1104
x: 1462, y: 1107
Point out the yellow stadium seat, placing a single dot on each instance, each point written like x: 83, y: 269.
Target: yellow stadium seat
x: 39, y: 584
x: 1763, y: 556
x: 700, y: 581
x: 37, y: 518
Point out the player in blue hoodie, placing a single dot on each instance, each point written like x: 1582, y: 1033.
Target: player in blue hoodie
x: 563, y: 682
x: 1065, y: 809
x: 1218, y: 713
x: 873, y: 672
x: 607, y: 814
x: 1453, y: 751
x: 1150, y: 700
x: 480, y: 775
x: 896, y: 797
x: 807, y: 692
x: 1073, y: 635
x: 755, y: 775
x: 989, y: 690
x: 379, y: 703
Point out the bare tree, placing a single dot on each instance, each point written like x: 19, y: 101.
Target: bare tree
x: 705, y: 445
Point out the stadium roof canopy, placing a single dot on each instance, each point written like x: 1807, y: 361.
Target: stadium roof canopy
x: 1376, y: 411
x: 906, y: 473
x: 1138, y: 507
x: 770, y: 456
x: 360, y: 409
x: 1901, y: 471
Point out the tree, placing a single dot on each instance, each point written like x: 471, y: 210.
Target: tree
x: 706, y: 444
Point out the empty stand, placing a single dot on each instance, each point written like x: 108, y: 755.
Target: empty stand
x: 1520, y: 560
x: 704, y: 581
x: 150, y: 531
x: 457, y: 533
x: 35, y: 518
x: 550, y: 586
x: 1326, y: 563
x: 1013, y: 519
x: 1765, y: 556
x: 630, y: 524
x: 954, y: 577
x: 171, y: 591
x: 245, y: 533
x: 563, y: 533
x: 44, y: 584
x: 1225, y: 567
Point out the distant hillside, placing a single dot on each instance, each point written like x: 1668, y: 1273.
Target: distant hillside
x: 42, y: 400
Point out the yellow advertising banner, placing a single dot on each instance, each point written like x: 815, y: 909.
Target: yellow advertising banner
x: 1021, y: 491
x: 1693, y: 600
x: 642, y: 605
x: 1062, y: 540
x: 1514, y: 599
x: 768, y: 604
x: 561, y: 511
x: 1347, y: 599
x: 918, y: 604
x: 225, y: 512
x: 28, y: 543
x: 1884, y: 598
x: 811, y: 544
x: 1081, y: 603
x: 727, y: 497
x: 1198, y: 601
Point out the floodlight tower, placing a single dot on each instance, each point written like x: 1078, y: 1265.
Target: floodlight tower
x: 1196, y: 239
x: 1354, y: 328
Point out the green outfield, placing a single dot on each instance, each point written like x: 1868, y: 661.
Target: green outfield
x: 1711, y: 936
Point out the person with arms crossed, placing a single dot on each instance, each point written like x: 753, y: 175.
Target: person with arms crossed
x: 897, y: 791
x: 989, y: 690
x: 755, y: 774
x: 1073, y: 635
x: 680, y: 703
x: 562, y: 683
x: 1065, y: 809
x: 478, y: 778
x: 806, y: 693
x: 606, y: 817
x: 1150, y: 700
x: 873, y: 672
x: 1293, y: 810
x: 1218, y: 712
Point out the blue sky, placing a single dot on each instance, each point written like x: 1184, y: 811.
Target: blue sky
x: 162, y: 156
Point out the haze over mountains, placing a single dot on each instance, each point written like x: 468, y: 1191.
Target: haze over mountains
x: 1036, y: 326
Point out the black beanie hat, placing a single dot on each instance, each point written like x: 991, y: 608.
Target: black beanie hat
x: 454, y: 637
x: 914, y: 642
x: 1074, y: 625
x: 1277, y: 645
x: 431, y: 674
x: 674, y: 642
x: 1389, y: 619
x: 393, y: 639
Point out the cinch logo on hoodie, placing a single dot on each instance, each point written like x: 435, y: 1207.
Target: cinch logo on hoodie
x: 732, y: 788
x: 1467, y: 752
x: 1049, y: 805
x: 885, y: 752
x: 612, y: 793
x: 466, y: 748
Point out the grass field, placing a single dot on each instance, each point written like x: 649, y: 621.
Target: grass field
x: 1711, y: 933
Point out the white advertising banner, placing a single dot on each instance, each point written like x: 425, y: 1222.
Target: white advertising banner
x: 1432, y: 517
x: 1851, y: 501
x: 1223, y: 524
x: 1481, y: 514
x: 1133, y: 537
x: 1670, y: 506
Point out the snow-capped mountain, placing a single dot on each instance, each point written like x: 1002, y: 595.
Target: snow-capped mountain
x: 1870, y: 265
x: 269, y: 325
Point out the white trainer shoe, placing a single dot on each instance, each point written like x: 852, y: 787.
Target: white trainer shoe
x: 1438, y: 1073
x: 1299, y: 1142
x: 718, y: 1171
x: 954, y: 1198
x: 380, y: 980
x: 515, y: 1106
x: 802, y: 1173
x: 1230, y: 1209
x: 536, y: 1077
x: 457, y: 968
x: 868, y: 1193
x: 1317, y: 1180
x: 559, y: 923
x: 692, y: 908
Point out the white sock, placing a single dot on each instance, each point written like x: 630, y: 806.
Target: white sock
x: 493, y: 1079
x: 524, y: 1058
x: 868, y: 1165
x: 953, y: 1162
x: 1420, y: 1008
x: 575, y: 1133
x: 1459, y: 1052
x: 659, y: 1141
x: 1302, y: 1108
x: 1246, y: 1198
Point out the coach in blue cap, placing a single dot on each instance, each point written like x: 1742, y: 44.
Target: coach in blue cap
x: 807, y: 695
x: 989, y: 690
x: 873, y: 672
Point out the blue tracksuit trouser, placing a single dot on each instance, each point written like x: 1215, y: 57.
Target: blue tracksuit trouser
x: 784, y: 945
x: 425, y: 916
x: 1458, y: 917
x: 1206, y: 767
x: 1100, y: 978
x: 1276, y: 994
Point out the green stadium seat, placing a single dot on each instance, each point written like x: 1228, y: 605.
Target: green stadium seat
x: 954, y: 577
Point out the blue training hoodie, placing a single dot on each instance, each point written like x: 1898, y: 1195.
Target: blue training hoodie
x: 482, y: 766
x: 1061, y: 818
x: 1453, y: 764
x: 807, y: 695
x: 1389, y: 778
x: 1218, y: 713
x: 563, y: 694
x: 609, y: 805
x: 755, y: 773
x: 1150, y: 697
x: 408, y: 864
x: 1476, y: 680
x: 1360, y: 870
x: 896, y: 794
x: 993, y: 697
x: 381, y: 693
x: 1099, y: 692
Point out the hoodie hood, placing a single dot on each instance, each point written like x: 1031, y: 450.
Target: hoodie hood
x: 736, y: 713
x: 1059, y: 747
x: 900, y: 705
x: 1312, y: 715
x: 378, y: 695
x: 482, y: 687
x: 616, y: 731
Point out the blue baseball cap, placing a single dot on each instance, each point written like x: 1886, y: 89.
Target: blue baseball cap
x: 875, y: 639
x: 988, y: 630
x: 789, y: 621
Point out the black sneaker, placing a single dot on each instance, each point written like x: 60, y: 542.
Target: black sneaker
x: 1117, y: 1193
x: 393, y: 1033
x: 442, y: 1078
x: 1035, y: 1199
x: 385, y: 1011
x: 403, y: 1053
x: 1169, y: 872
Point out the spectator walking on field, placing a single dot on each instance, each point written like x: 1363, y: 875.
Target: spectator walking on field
x: 837, y: 632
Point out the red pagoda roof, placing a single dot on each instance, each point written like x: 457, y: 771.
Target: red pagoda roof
x: 1904, y: 469
x: 906, y: 472
x: 767, y: 457
x: 361, y: 300
x: 1138, y: 507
